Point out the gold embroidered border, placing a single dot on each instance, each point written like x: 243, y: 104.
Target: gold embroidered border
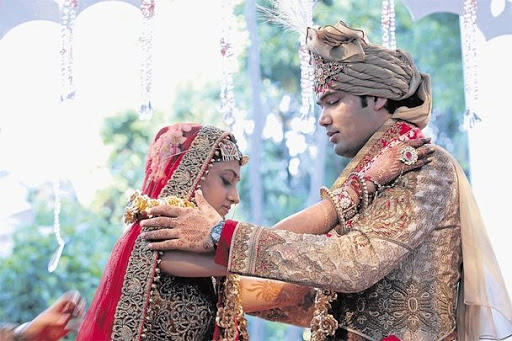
x: 247, y: 245
x: 136, y: 287
x: 193, y: 165
x: 240, y: 249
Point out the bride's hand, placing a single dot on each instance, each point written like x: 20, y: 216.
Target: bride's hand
x: 399, y: 159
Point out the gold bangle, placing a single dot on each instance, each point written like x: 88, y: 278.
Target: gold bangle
x: 342, y: 202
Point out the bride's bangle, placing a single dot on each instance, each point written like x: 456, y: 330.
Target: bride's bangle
x: 357, y: 183
x: 377, y: 185
x: 372, y: 180
x: 342, y: 201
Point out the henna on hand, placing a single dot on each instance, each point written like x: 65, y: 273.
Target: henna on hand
x: 386, y: 166
x: 185, y: 229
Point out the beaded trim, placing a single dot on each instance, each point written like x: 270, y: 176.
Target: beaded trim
x: 230, y: 317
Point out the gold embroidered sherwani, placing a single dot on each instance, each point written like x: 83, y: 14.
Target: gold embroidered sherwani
x: 396, y: 267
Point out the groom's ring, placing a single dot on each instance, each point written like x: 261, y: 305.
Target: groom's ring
x: 408, y: 155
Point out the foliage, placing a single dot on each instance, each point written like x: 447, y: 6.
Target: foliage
x: 128, y: 139
x: 30, y: 287
x: 89, y: 232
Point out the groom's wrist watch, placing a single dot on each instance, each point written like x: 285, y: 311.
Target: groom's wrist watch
x: 215, y: 233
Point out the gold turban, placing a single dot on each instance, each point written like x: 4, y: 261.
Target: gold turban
x: 344, y: 60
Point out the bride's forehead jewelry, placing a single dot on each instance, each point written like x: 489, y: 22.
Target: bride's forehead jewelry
x: 228, y: 150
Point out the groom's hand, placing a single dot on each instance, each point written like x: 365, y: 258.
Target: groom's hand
x: 180, y: 228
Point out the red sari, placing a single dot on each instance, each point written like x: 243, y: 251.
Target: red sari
x: 134, y: 300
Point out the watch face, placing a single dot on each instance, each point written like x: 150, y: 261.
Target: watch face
x: 215, y: 233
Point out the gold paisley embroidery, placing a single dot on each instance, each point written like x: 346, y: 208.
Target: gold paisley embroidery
x: 391, y: 213
x: 360, y: 241
x: 414, y: 302
x: 182, y: 309
x: 405, y: 308
x: 406, y: 278
x: 417, y: 301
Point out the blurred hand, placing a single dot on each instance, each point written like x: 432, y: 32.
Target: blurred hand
x: 52, y: 324
x: 186, y: 229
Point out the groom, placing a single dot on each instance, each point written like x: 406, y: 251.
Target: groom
x: 395, y: 268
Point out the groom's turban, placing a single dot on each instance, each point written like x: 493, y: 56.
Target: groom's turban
x: 344, y: 60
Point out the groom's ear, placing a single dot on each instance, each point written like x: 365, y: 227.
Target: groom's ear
x: 379, y: 102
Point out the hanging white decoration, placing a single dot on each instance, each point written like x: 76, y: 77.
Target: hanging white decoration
x: 147, y: 9
x: 470, y: 58
x: 68, y: 14
x: 68, y: 10
x: 388, y: 24
x: 297, y: 15
x: 227, y: 97
x: 54, y: 261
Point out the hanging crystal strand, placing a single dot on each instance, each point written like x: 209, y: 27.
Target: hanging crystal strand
x: 306, y: 69
x: 469, y: 52
x: 147, y: 9
x: 388, y: 24
x: 297, y: 15
x: 68, y: 10
x: 68, y: 15
x: 54, y: 261
x: 227, y: 97
x: 384, y: 23
x: 392, y: 25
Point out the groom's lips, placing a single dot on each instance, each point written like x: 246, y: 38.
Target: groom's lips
x: 331, y: 134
